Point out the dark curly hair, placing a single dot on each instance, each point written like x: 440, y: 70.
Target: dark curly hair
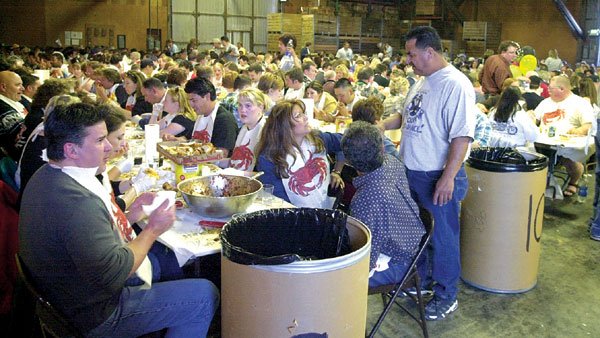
x: 50, y: 88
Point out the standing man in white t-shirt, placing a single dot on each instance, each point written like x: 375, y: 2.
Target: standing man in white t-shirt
x: 230, y: 51
x: 438, y: 125
x: 345, y: 53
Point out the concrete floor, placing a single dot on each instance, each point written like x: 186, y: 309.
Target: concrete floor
x: 564, y: 303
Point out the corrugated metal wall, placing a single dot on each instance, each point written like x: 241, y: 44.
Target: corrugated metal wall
x: 241, y: 20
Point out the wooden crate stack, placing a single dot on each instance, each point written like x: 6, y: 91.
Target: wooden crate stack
x: 279, y: 24
x: 308, y: 31
x: 426, y: 8
x: 325, y: 33
x: 481, y: 35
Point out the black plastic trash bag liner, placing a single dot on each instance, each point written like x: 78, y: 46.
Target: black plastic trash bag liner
x: 501, y: 159
x: 283, y: 236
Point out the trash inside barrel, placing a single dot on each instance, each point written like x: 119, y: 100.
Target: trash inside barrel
x: 283, y: 236
x: 293, y: 272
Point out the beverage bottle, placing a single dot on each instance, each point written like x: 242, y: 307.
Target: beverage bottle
x: 290, y: 44
x: 583, y: 189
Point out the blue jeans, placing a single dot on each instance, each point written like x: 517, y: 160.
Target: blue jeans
x: 186, y: 307
x: 441, y: 262
x: 392, y: 275
x: 596, y: 216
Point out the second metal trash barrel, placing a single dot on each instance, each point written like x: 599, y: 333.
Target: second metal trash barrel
x: 501, y: 219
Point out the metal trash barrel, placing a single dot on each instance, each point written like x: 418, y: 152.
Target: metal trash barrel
x: 501, y: 219
x: 262, y: 295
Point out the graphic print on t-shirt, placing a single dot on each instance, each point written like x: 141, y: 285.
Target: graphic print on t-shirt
x: 414, y: 120
x: 554, y: 116
x: 505, y: 127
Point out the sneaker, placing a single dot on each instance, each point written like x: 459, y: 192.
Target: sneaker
x: 595, y: 233
x: 438, y: 308
x: 425, y: 291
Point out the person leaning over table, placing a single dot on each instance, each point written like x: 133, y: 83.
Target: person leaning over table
x: 214, y: 124
x: 438, y: 123
x: 180, y: 118
x: 346, y: 97
x: 511, y: 125
x: 154, y: 92
x: 71, y: 241
x: 125, y: 192
x: 570, y: 114
x: 325, y: 104
x: 383, y: 202
x: 293, y: 157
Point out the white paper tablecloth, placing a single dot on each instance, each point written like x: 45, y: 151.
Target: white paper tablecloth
x: 577, y: 148
x: 189, y: 240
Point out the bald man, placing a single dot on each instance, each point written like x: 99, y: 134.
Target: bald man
x: 11, y: 113
x: 570, y: 114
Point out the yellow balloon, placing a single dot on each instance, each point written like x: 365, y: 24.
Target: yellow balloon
x: 528, y: 63
x: 516, y: 72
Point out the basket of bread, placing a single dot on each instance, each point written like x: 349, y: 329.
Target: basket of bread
x: 190, y: 152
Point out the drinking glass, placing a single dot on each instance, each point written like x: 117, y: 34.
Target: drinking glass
x: 267, y: 194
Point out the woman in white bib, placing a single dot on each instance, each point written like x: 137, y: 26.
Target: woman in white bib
x: 325, y: 104
x: 180, y: 120
x: 293, y: 157
x: 251, y: 107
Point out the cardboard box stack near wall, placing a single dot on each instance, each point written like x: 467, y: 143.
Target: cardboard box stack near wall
x: 308, y: 31
x: 284, y: 23
x: 426, y: 7
x: 481, y: 35
x: 325, y: 33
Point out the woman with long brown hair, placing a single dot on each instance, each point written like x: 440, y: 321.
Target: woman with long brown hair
x: 293, y: 157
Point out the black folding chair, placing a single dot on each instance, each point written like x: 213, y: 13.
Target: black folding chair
x: 52, y: 322
x: 390, y: 293
x: 551, y: 151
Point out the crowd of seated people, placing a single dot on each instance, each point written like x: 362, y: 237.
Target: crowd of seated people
x: 251, y: 104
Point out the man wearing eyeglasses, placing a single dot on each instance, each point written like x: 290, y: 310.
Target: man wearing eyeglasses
x: 570, y: 115
x: 496, y: 68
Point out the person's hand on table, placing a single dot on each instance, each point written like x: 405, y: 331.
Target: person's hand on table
x: 143, y: 182
x: 323, y: 116
x: 169, y: 137
x: 577, y: 132
x: 135, y: 211
x: 342, y: 109
x: 101, y: 93
x: 319, y: 114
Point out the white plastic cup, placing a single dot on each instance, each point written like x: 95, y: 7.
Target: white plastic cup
x: 267, y: 194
